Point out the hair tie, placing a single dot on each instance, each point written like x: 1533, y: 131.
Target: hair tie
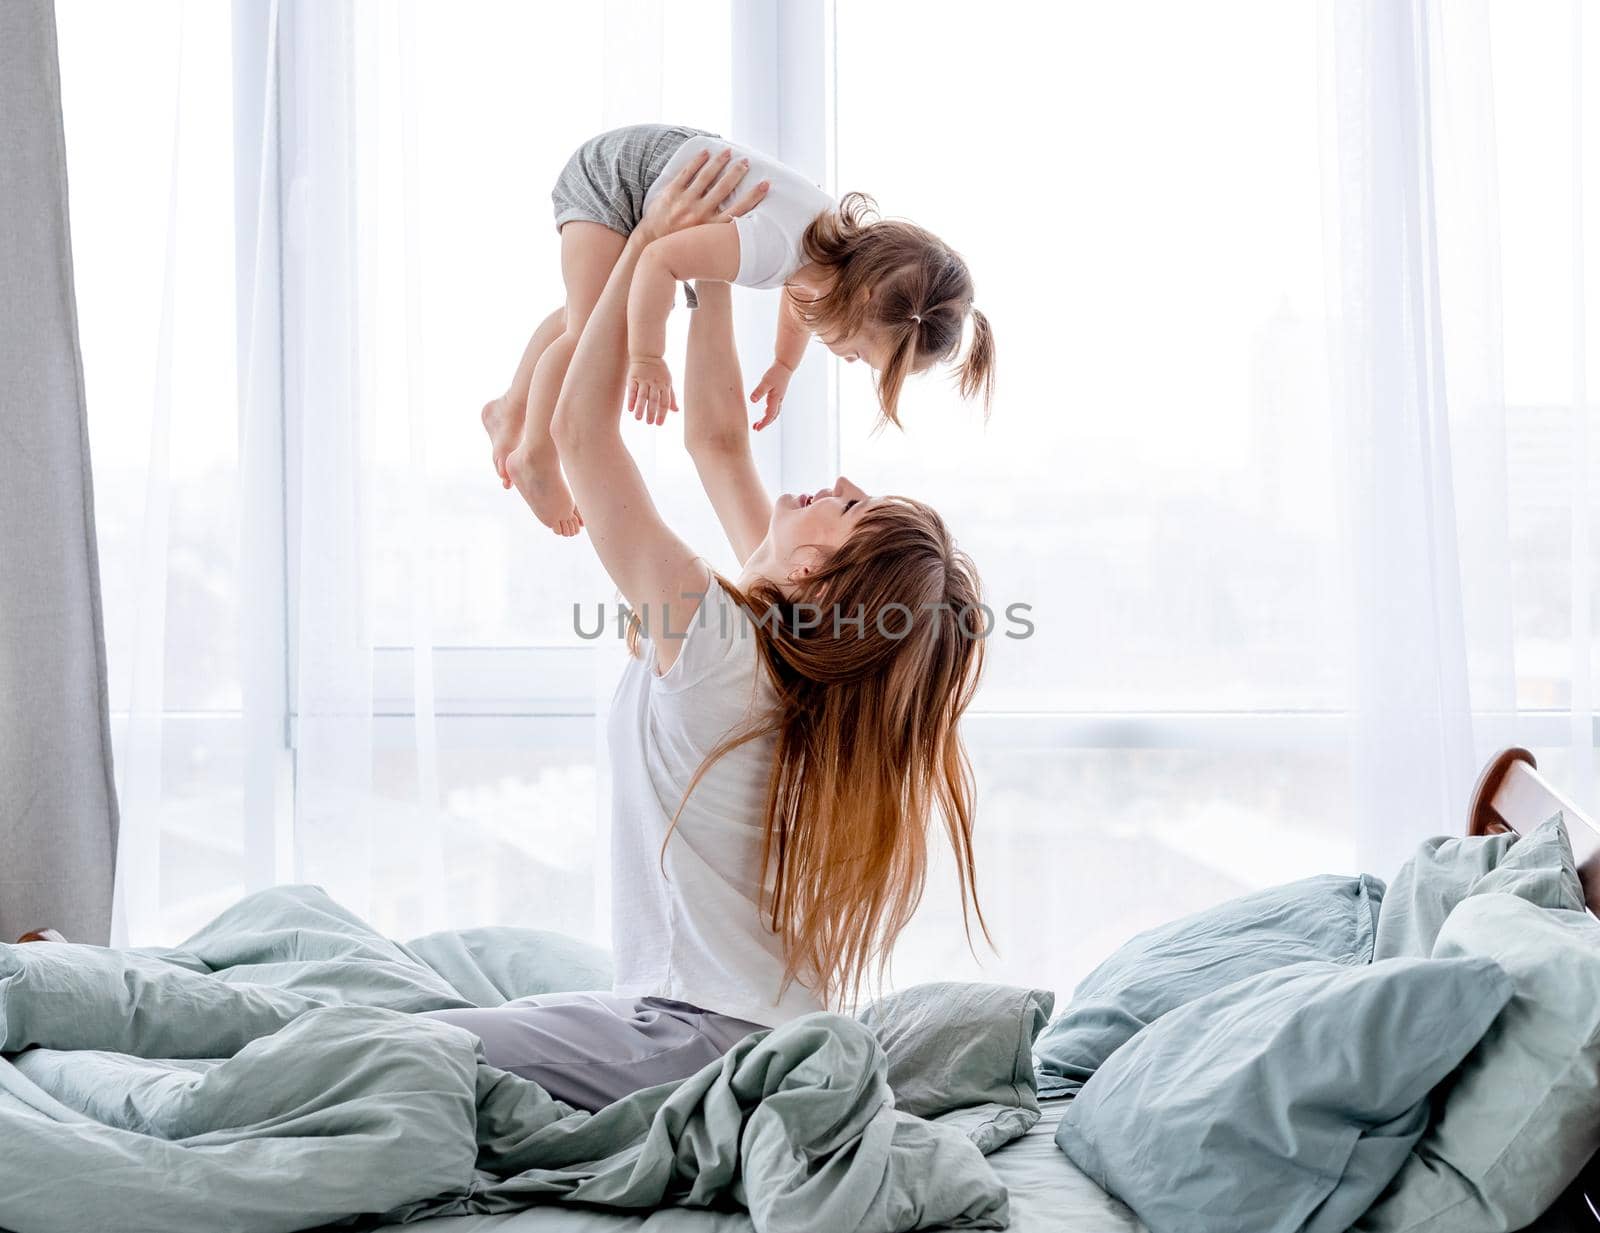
x: 917, y: 317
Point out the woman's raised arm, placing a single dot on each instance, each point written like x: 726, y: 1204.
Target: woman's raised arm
x: 657, y: 573
x: 714, y: 426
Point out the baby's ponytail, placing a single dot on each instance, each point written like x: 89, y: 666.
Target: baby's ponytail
x: 906, y: 282
x: 977, y: 370
x: 902, y: 363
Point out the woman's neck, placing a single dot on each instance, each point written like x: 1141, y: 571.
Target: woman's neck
x: 763, y: 567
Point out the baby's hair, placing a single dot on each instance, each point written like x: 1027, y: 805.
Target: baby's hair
x: 906, y: 282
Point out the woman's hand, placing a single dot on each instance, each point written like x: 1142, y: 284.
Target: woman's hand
x: 696, y: 195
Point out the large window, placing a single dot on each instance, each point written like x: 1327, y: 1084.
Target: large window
x: 1542, y: 109
x: 1141, y: 191
x: 1154, y: 480
x: 461, y: 116
x: 153, y: 238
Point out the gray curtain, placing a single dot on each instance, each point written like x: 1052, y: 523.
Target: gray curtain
x: 58, y: 809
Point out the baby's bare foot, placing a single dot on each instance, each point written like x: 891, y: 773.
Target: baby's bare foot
x: 537, y: 476
x: 503, y: 422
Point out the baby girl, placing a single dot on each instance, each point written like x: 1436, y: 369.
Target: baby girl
x: 879, y: 290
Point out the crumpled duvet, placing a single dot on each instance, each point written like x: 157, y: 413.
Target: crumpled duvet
x: 272, y: 1074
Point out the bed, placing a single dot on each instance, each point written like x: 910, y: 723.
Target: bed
x: 1046, y: 1191
x: 1048, y: 1195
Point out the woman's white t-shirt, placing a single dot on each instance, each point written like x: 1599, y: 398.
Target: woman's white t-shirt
x: 771, y: 236
x: 696, y: 932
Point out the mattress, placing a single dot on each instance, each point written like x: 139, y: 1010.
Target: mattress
x: 1048, y: 1195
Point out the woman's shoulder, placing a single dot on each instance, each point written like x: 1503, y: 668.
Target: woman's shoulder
x: 717, y: 639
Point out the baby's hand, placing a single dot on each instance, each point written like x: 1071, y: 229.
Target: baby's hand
x: 774, y: 384
x: 650, y: 394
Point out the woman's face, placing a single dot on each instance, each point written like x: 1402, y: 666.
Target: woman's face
x: 806, y: 526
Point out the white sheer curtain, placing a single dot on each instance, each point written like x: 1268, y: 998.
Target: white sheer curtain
x: 300, y: 568
x: 1414, y: 276
x: 315, y: 237
x: 1294, y: 436
x: 147, y: 102
x: 1290, y: 454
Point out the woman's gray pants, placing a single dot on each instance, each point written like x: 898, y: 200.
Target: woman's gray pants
x: 590, y: 1049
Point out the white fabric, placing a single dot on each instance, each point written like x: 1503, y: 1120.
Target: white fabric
x: 771, y: 235
x: 291, y: 770
x: 1414, y: 235
x: 1421, y: 269
x: 687, y: 920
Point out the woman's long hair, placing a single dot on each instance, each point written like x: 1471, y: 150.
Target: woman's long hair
x: 907, y: 283
x: 874, y: 659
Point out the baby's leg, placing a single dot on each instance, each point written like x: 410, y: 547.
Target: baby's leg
x: 588, y: 251
x: 503, y: 416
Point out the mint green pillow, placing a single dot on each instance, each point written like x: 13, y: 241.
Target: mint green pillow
x: 1537, y: 867
x: 1284, y: 1103
x: 1522, y: 1115
x: 959, y: 1045
x: 1540, y: 868
x: 1327, y: 917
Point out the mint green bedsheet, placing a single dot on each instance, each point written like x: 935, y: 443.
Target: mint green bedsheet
x: 1048, y: 1195
x: 271, y: 1074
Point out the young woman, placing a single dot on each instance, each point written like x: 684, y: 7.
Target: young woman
x: 780, y: 744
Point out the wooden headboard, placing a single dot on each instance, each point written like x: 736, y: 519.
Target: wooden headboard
x: 1511, y: 795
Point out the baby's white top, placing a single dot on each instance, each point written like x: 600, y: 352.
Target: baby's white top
x: 770, y: 235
